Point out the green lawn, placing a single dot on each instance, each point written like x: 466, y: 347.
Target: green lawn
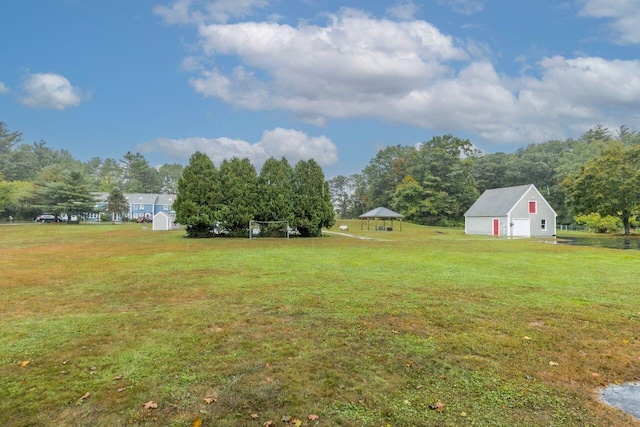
x: 233, y: 332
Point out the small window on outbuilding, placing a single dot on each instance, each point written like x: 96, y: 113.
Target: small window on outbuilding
x: 533, y: 207
x: 543, y: 224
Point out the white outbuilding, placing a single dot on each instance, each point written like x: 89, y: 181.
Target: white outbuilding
x: 518, y: 211
x: 162, y: 222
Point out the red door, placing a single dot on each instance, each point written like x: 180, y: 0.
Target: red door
x: 496, y: 227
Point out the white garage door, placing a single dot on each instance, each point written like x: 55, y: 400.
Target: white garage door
x: 521, y: 227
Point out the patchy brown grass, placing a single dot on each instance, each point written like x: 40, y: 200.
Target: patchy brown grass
x: 359, y: 332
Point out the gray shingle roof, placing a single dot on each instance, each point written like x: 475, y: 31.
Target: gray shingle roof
x: 497, y: 201
x: 381, y: 213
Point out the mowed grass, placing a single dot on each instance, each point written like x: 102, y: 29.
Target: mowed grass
x: 233, y: 332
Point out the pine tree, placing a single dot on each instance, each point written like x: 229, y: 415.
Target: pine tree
x: 239, y: 184
x: 312, y: 200
x: 198, y: 198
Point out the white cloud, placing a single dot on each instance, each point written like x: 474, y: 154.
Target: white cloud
x: 178, y: 13
x: 408, y: 72
x: 224, y: 10
x: 182, y: 12
x: 339, y: 70
x: 623, y: 16
x: 404, y: 10
x: 464, y: 7
x: 50, y: 90
x: 3, y: 89
x: 289, y: 143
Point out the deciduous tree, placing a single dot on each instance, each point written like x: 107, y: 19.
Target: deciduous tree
x: 608, y: 184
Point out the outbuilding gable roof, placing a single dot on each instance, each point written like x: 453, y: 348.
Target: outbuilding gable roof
x: 381, y: 213
x: 498, y: 201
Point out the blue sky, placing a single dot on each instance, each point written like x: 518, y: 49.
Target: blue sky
x: 330, y: 80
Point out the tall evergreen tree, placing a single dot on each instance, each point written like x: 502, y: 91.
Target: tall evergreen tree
x: 239, y: 185
x: 312, y: 199
x: 71, y: 195
x: 117, y: 204
x: 276, y: 191
x: 170, y: 173
x: 198, y: 199
x: 139, y: 177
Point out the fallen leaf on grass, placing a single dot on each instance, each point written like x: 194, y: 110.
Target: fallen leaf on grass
x: 296, y: 422
x: 313, y: 417
x: 85, y: 396
x: 209, y: 400
x: 595, y: 374
x: 197, y: 422
x: 150, y: 405
x: 552, y: 364
x: 121, y: 389
x: 438, y: 406
x: 527, y: 338
x: 286, y: 418
x: 254, y: 416
x: 24, y: 363
x: 268, y: 423
x: 625, y: 341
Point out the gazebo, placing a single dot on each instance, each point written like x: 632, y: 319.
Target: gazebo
x: 380, y: 214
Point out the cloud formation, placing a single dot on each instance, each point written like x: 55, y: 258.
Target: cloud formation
x: 404, y: 10
x: 49, y: 90
x: 3, y: 89
x: 220, y: 11
x: 289, y: 143
x: 409, y: 72
x: 465, y: 7
x: 623, y: 17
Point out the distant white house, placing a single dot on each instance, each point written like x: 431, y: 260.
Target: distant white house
x: 519, y: 211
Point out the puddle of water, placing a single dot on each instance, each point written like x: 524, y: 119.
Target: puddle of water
x: 602, y: 242
x: 625, y: 397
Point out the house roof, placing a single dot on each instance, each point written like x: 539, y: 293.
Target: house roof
x: 165, y: 199
x: 498, y: 201
x: 142, y: 198
x: 381, y: 213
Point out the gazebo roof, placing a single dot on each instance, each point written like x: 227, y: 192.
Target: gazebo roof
x: 381, y: 213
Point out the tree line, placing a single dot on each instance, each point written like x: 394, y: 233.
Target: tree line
x: 593, y: 180
x: 36, y: 178
x: 213, y: 201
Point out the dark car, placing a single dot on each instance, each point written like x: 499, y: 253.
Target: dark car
x: 46, y: 217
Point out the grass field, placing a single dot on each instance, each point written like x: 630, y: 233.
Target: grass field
x: 423, y: 327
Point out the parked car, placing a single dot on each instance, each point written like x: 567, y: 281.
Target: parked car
x: 47, y: 217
